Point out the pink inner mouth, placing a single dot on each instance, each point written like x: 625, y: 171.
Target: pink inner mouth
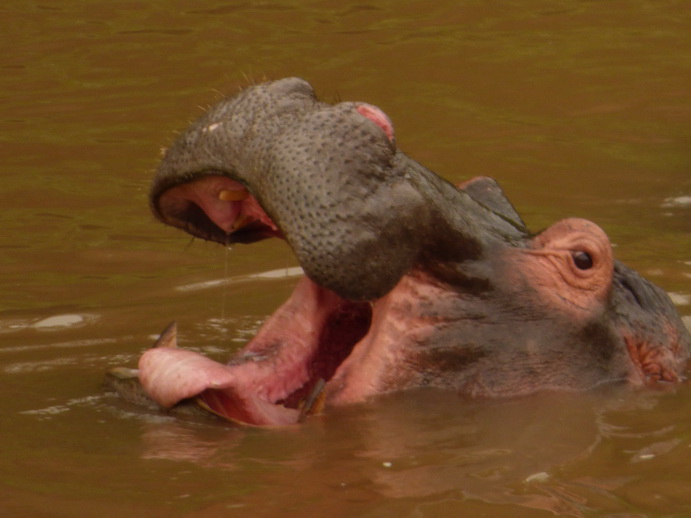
x: 266, y: 383
x: 217, y: 208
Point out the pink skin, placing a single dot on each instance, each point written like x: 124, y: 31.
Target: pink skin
x: 170, y: 375
x: 303, y: 341
x: 377, y: 363
x: 250, y: 390
x: 227, y: 215
x: 247, y: 390
x: 551, y: 253
x: 378, y: 117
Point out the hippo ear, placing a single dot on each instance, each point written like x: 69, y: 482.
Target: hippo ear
x: 486, y: 191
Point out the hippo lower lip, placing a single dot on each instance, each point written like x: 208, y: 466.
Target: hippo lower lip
x: 279, y: 376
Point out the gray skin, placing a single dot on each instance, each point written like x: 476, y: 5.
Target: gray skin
x: 434, y: 285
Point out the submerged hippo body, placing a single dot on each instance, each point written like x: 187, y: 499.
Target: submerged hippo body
x: 410, y: 281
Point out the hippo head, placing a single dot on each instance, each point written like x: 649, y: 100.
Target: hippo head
x: 409, y: 280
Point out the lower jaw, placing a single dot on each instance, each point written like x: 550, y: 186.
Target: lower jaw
x: 342, y: 329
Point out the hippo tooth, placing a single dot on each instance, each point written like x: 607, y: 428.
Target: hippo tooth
x: 243, y: 219
x: 169, y: 336
x: 314, y: 402
x: 233, y: 195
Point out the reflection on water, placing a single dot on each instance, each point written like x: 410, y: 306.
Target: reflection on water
x: 285, y: 273
x: 432, y: 449
x: 578, y: 109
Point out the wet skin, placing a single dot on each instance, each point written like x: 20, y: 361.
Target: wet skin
x: 409, y: 280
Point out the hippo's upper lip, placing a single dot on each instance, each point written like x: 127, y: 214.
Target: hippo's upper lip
x: 206, y: 208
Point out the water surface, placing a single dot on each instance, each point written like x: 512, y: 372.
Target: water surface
x: 577, y: 108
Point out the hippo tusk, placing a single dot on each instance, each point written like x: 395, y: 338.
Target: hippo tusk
x: 243, y: 220
x: 169, y: 336
x: 314, y: 402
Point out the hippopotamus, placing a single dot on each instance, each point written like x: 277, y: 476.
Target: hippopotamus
x: 409, y: 281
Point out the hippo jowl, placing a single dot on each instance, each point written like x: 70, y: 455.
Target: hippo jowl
x: 409, y: 280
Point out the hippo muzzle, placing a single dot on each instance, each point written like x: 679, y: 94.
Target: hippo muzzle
x: 409, y: 280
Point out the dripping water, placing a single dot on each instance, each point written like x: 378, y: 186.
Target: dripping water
x: 226, y: 273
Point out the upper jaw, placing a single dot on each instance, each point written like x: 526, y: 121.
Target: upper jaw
x: 214, y: 207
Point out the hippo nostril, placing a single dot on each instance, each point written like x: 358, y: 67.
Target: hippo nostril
x: 582, y: 260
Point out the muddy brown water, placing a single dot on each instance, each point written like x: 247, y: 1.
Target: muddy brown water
x: 577, y: 108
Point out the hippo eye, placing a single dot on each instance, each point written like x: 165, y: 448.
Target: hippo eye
x: 582, y: 260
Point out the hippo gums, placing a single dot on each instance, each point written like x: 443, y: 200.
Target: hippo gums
x: 409, y: 280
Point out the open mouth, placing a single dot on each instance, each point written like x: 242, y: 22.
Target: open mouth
x: 279, y: 377
x: 215, y: 208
